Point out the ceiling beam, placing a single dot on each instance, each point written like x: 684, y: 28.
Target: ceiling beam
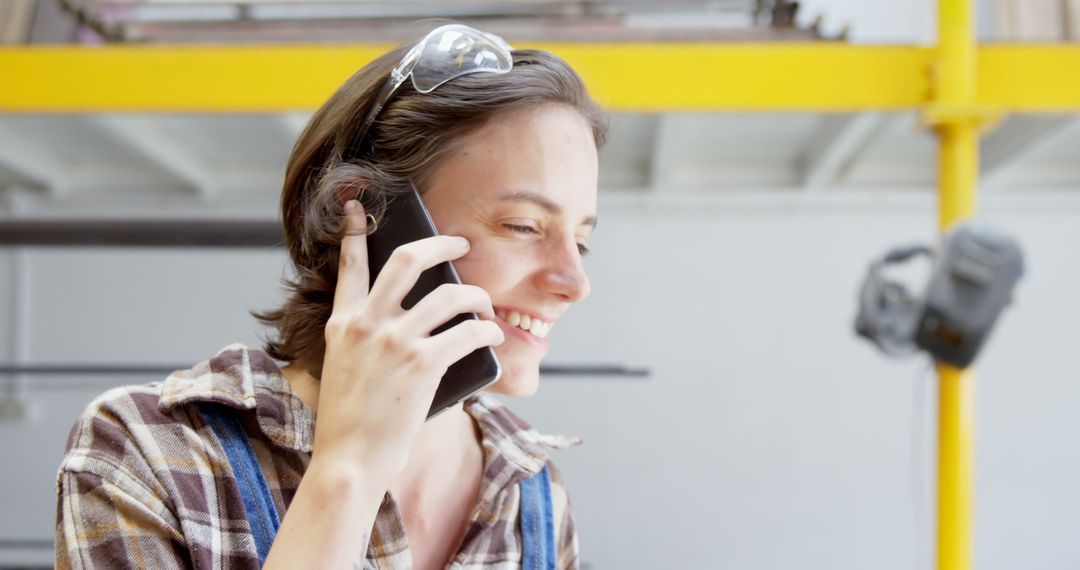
x: 1014, y: 139
x: 147, y: 137
x: 834, y: 147
x: 28, y: 160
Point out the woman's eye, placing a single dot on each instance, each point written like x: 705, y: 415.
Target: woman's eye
x: 530, y: 230
x: 521, y: 229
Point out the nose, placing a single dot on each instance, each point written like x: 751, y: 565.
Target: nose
x: 564, y: 275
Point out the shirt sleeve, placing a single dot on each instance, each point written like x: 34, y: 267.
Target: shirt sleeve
x: 114, y: 522
x: 566, y: 538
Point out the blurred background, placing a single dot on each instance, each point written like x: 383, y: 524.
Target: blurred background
x: 729, y: 251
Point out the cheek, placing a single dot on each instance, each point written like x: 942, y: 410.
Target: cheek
x: 488, y: 267
x: 500, y: 270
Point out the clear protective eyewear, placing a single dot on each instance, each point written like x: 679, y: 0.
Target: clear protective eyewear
x: 447, y: 52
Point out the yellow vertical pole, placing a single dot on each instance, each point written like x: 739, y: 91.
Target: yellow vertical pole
x: 957, y: 172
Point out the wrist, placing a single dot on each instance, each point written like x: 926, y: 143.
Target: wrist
x: 359, y: 459
x: 344, y: 481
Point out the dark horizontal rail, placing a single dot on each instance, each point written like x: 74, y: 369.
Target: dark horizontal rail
x: 102, y: 369
x: 142, y: 233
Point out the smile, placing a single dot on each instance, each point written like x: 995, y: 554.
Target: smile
x: 533, y: 325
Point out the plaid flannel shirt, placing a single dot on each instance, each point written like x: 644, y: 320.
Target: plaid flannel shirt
x: 145, y: 482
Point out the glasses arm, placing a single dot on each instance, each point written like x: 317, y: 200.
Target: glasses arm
x: 390, y: 86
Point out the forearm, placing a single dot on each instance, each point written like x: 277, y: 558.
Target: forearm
x: 328, y: 524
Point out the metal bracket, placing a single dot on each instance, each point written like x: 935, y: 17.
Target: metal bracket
x: 982, y: 116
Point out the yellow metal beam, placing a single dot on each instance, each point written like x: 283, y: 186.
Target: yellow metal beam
x: 752, y: 77
x: 1031, y: 78
x: 624, y: 76
x: 175, y: 78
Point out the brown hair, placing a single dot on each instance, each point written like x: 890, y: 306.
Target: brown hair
x: 407, y: 141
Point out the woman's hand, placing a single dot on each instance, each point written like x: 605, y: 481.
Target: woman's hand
x: 382, y: 366
x: 379, y: 376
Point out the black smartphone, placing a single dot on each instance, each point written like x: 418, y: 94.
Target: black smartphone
x: 407, y: 220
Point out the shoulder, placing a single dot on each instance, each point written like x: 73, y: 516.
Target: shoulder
x: 150, y: 426
x: 525, y: 450
x: 154, y: 432
x: 121, y: 432
x: 106, y: 426
x: 114, y: 464
x: 512, y: 436
x: 143, y: 468
x: 131, y: 476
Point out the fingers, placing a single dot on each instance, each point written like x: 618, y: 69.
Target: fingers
x: 353, y: 279
x: 452, y: 345
x: 443, y: 304
x: 408, y: 261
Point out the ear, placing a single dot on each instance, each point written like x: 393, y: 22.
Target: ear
x: 352, y: 190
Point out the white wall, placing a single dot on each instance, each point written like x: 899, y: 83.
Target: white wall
x: 767, y: 437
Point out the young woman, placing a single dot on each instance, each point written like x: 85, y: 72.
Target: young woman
x: 343, y: 471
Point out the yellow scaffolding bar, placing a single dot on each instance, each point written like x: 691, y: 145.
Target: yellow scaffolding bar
x: 624, y: 76
x: 958, y: 118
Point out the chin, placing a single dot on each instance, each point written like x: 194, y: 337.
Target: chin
x: 519, y: 379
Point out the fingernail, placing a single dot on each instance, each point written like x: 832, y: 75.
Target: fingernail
x: 350, y: 205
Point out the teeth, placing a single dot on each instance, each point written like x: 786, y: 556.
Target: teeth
x: 535, y: 326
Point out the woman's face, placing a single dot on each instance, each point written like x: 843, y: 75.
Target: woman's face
x: 522, y: 189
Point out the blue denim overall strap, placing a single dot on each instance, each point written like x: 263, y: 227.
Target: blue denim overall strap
x: 537, y: 523
x: 259, y: 506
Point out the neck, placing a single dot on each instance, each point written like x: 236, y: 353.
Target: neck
x: 445, y: 445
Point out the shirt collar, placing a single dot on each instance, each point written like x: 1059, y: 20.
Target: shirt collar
x: 248, y: 379
x: 512, y: 437
x: 245, y: 379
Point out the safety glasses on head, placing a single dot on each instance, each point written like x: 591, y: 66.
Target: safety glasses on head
x: 447, y: 52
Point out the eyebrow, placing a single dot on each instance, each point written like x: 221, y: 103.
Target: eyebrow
x: 543, y: 202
